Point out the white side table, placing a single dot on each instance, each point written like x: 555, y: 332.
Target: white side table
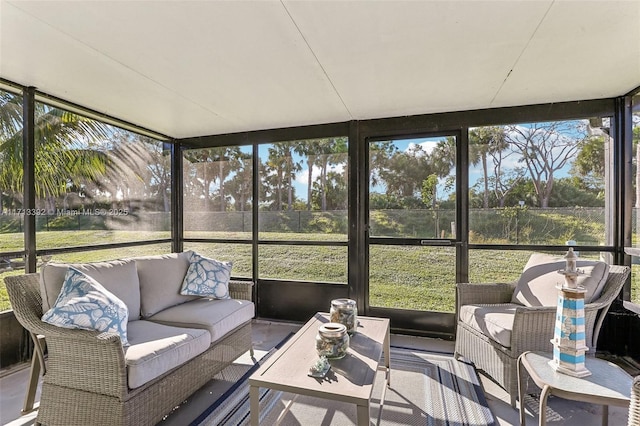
x: 608, y: 384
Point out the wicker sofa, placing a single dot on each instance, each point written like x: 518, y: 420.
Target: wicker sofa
x: 530, y: 328
x: 176, y: 343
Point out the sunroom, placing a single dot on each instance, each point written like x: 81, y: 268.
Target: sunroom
x: 377, y: 151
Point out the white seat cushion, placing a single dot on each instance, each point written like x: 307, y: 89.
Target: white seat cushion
x: 161, y: 277
x: 154, y: 349
x: 537, y: 284
x: 217, y: 316
x: 494, y: 321
x: 120, y: 277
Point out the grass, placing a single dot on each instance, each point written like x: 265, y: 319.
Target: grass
x: 403, y: 277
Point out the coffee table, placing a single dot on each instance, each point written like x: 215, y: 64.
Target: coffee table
x: 350, y: 379
x: 608, y: 384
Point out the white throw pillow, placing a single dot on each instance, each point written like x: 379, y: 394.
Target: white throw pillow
x: 537, y: 284
x: 85, y: 304
x: 207, y: 277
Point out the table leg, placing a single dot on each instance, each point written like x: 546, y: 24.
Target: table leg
x: 362, y: 415
x: 605, y: 415
x: 543, y: 405
x: 254, y: 405
x: 521, y: 392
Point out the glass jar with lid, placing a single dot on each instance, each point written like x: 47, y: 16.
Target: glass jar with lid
x: 332, y: 340
x: 345, y: 311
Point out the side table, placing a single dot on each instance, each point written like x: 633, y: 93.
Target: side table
x: 608, y: 384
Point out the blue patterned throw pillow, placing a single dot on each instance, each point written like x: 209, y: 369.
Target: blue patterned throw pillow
x: 85, y: 304
x: 207, y: 277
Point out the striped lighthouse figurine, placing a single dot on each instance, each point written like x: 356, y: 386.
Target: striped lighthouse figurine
x: 569, y: 335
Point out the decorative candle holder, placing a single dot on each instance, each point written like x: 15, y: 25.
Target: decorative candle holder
x: 569, y: 335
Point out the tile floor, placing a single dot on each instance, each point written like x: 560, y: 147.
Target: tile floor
x: 267, y: 334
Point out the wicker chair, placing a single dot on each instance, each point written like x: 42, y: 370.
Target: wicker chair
x: 85, y: 381
x: 634, y: 405
x: 533, y: 328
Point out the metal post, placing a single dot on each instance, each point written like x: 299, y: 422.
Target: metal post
x: 28, y: 151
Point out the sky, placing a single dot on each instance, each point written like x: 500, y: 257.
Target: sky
x: 427, y: 143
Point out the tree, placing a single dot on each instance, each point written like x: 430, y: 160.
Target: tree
x: 404, y: 172
x: 485, y: 142
x: 545, y: 148
x: 282, y: 171
x: 65, y: 152
x: 213, y: 165
x: 241, y: 183
x: 589, y: 165
x: 430, y: 191
x: 330, y: 152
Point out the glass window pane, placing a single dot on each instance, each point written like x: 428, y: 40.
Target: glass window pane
x: 11, y: 174
x: 635, y: 236
x: 218, y: 192
x: 540, y: 183
x: 304, y: 189
x: 96, y: 183
x: 239, y: 254
x: 411, y: 277
x: 412, y: 188
x: 303, y: 263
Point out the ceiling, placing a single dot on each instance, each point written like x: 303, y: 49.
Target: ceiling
x: 191, y: 68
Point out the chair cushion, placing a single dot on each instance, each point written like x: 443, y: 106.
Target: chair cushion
x: 207, y: 277
x: 537, y: 284
x: 494, y: 321
x: 154, y: 349
x: 160, y: 281
x: 85, y: 304
x: 120, y: 277
x: 218, y: 317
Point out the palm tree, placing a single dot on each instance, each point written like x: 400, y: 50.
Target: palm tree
x: 64, y: 151
x: 484, y: 141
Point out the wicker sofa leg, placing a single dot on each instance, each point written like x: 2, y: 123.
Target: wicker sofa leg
x: 37, y: 367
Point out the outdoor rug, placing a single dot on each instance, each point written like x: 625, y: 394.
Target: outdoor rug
x: 426, y: 389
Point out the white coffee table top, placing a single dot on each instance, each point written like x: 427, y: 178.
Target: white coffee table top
x: 350, y: 379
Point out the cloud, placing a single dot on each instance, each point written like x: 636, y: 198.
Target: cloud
x: 303, y: 175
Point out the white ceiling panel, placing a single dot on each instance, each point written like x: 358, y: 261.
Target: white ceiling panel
x: 190, y: 68
x: 415, y: 57
x: 589, y: 52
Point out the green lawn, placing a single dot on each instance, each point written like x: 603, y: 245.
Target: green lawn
x: 421, y: 278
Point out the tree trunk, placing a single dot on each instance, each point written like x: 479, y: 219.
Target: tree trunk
x: 485, y: 201
x: 221, y: 177
x: 309, y: 181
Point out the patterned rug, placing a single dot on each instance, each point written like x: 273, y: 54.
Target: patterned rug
x: 426, y: 389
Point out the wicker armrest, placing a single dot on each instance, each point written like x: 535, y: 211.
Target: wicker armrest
x: 474, y: 294
x: 240, y: 290
x: 88, y: 360
x: 533, y: 328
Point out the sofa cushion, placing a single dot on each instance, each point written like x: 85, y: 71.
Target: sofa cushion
x: 160, y: 281
x: 218, y: 317
x: 494, y: 321
x: 207, y: 277
x: 154, y: 349
x: 120, y: 277
x: 537, y: 284
x: 85, y: 304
